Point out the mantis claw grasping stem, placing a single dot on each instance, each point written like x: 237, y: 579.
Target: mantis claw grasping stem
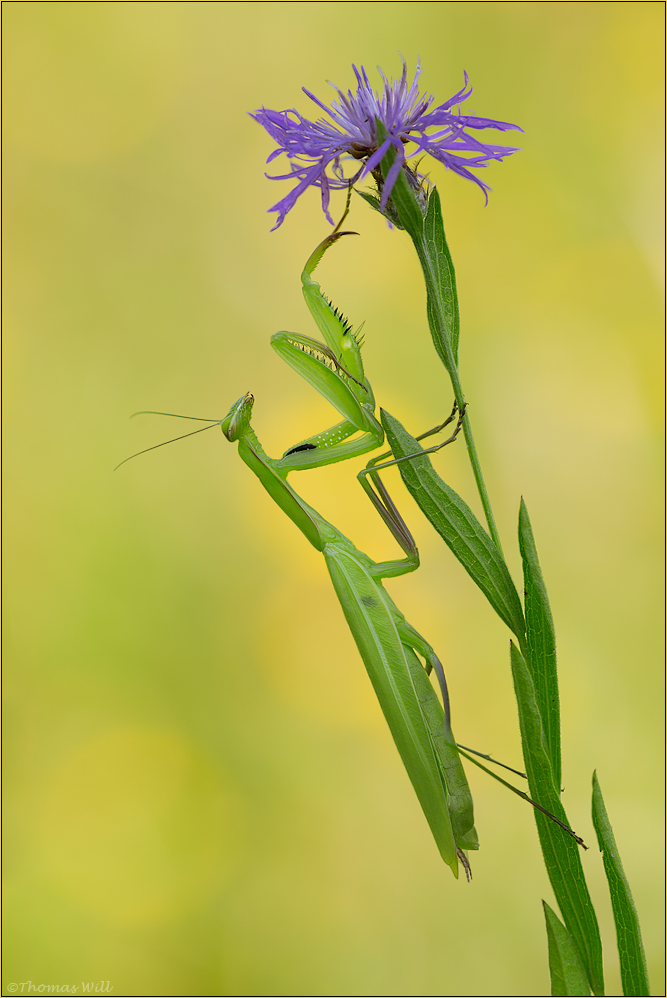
x: 373, y: 463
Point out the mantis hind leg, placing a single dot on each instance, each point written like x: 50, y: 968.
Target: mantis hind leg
x: 412, y: 637
x: 372, y: 484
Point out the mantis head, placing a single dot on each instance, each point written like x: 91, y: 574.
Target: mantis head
x: 237, y: 420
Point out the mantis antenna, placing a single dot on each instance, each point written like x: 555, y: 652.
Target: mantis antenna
x: 177, y: 415
x: 520, y: 793
x: 489, y: 758
x: 153, y: 412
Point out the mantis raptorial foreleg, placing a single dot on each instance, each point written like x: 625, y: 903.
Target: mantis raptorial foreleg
x: 335, y: 369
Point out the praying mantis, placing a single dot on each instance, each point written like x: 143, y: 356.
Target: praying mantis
x: 388, y: 644
x: 390, y: 647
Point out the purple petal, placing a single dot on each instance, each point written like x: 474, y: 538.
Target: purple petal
x: 458, y: 97
x: 502, y: 126
x: 376, y: 157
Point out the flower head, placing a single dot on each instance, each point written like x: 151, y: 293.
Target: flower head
x: 312, y: 147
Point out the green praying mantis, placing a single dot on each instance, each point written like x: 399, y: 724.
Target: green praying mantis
x: 389, y: 646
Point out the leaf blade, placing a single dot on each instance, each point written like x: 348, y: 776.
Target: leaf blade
x: 440, y: 276
x: 568, y: 976
x: 634, y: 973
x: 541, y: 642
x: 458, y: 526
x: 559, y: 850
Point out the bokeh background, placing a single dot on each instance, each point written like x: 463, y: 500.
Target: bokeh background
x: 202, y: 795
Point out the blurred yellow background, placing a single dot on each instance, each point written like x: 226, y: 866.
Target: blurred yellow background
x: 203, y: 798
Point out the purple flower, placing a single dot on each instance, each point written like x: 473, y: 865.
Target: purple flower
x: 313, y: 146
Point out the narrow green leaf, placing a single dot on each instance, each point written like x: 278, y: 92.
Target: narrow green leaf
x: 440, y: 277
x: 541, y: 641
x: 458, y: 526
x: 559, y: 850
x: 634, y: 975
x: 568, y: 976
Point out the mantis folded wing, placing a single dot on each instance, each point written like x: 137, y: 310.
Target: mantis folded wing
x: 388, y: 644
